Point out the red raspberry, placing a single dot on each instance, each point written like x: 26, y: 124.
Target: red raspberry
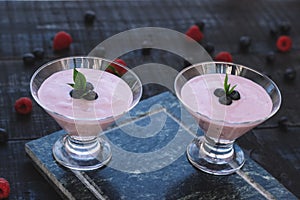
x: 4, y: 188
x: 23, y: 105
x: 223, y: 56
x: 116, y: 69
x: 62, y: 40
x: 195, y: 33
x: 284, y: 43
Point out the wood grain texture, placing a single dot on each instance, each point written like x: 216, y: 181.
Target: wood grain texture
x: 25, y: 25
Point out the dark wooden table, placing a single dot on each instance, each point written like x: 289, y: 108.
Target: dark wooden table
x: 27, y: 25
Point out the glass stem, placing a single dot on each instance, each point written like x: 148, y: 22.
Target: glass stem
x: 217, y: 152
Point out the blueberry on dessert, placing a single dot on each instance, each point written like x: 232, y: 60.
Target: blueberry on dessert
x: 227, y: 94
x: 81, y: 88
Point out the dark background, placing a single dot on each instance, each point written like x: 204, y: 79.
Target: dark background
x: 28, y: 25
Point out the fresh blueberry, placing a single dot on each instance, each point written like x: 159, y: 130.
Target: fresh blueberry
x: 201, y: 25
x: 90, y: 96
x: 245, y: 43
x: 209, y: 47
x: 235, y: 95
x: 3, y: 136
x: 28, y: 59
x: 270, y: 57
x: 284, y: 28
x: 283, y: 122
x: 290, y: 74
x: 219, y: 92
x: 38, y: 53
x: 77, y: 94
x: 225, y: 100
x: 89, y: 86
x: 274, y: 32
x: 89, y: 17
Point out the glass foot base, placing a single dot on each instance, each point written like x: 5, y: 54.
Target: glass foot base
x: 81, y: 155
x: 212, y: 165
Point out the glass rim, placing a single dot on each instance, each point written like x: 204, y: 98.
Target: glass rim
x: 132, y: 105
x: 258, y: 121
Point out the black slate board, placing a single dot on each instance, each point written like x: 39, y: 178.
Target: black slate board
x: 166, y: 174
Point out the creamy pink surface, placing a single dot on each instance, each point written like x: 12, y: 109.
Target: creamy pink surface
x: 226, y: 121
x: 78, y: 116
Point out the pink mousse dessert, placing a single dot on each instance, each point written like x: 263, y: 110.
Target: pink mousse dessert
x: 81, y: 117
x: 226, y: 122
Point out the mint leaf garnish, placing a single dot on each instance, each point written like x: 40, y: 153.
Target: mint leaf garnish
x: 228, y: 90
x: 79, y: 80
x: 82, y: 88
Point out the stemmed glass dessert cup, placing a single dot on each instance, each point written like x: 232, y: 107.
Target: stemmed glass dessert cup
x: 215, y: 152
x: 83, y: 146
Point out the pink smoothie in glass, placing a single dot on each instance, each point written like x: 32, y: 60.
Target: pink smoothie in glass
x: 226, y: 122
x: 79, y: 116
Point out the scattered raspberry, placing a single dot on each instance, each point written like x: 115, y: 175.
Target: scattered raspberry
x: 195, y: 33
x: 62, y: 40
x: 23, y: 105
x: 284, y: 43
x: 4, y: 188
x: 116, y: 69
x: 223, y: 56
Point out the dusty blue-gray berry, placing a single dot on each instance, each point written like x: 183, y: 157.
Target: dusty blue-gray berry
x: 77, y: 94
x: 235, y: 95
x: 28, y: 58
x: 3, y: 135
x: 225, y: 100
x: 90, y: 96
x: 89, y: 86
x: 38, y: 53
x: 89, y: 17
x: 245, y: 43
x: 219, y: 92
x: 290, y: 74
x: 284, y: 28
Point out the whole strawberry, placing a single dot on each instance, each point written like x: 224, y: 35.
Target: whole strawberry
x: 23, y: 106
x: 4, y: 188
x: 62, y: 40
x: 223, y: 56
x: 116, y: 69
x: 195, y: 33
x: 284, y: 43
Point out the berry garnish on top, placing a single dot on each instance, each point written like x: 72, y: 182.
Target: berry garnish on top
x: 81, y: 88
x: 227, y: 94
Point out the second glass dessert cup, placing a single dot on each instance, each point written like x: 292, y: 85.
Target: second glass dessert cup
x: 215, y: 152
x: 83, y: 147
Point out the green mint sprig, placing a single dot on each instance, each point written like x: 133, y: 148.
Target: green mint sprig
x: 79, y: 80
x: 228, y: 90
